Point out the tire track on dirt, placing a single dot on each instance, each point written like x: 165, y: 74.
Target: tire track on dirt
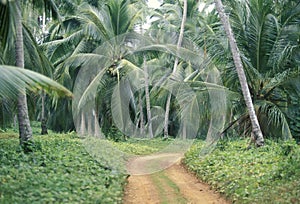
x: 174, y: 185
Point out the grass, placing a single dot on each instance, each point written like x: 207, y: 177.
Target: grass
x: 62, y: 170
x: 270, y: 174
x: 166, y: 188
x: 141, y: 146
x: 58, y: 171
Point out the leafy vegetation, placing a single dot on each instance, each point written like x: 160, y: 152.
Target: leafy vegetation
x: 108, y: 41
x: 63, y: 39
x: 59, y: 170
x: 270, y: 174
x: 142, y: 146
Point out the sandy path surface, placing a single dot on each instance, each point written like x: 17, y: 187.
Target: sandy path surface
x: 172, y: 185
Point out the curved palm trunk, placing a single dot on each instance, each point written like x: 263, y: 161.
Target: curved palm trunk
x: 180, y: 38
x: 25, y: 131
x: 258, y: 136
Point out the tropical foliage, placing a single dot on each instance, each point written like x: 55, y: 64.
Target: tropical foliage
x: 268, y: 174
x: 68, y: 38
x: 59, y: 170
x: 270, y: 58
x: 269, y: 53
x: 126, y: 62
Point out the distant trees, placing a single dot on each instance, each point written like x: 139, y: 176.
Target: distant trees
x: 179, y: 42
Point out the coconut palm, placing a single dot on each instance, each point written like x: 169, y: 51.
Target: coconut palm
x: 180, y: 39
x: 12, y: 23
x: 174, y: 17
x: 94, y: 26
x: 23, y: 118
x: 267, y: 45
x: 258, y: 136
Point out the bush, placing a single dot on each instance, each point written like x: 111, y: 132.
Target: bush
x: 270, y: 174
x: 142, y: 146
x: 59, y: 170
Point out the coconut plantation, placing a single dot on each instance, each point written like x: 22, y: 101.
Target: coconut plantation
x: 150, y: 101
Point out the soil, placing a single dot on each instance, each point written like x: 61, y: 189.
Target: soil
x: 172, y: 185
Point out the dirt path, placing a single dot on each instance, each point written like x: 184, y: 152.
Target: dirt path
x: 173, y: 185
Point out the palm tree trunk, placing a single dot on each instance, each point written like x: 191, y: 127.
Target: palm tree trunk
x: 15, y: 121
x: 82, y: 130
x: 148, y: 99
x: 96, y: 123
x: 25, y: 132
x: 90, y: 123
x: 43, y: 118
x: 141, y: 115
x: 180, y: 38
x: 258, y: 136
x: 166, y: 121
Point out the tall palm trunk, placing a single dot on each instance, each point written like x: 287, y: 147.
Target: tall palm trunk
x: 180, y: 38
x: 258, y: 136
x: 90, y: 123
x: 147, y: 94
x: 25, y: 131
x: 82, y: 130
x: 142, y: 128
x: 96, y: 123
x: 140, y: 121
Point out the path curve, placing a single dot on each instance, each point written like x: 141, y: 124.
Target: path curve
x: 172, y: 185
x: 153, y: 163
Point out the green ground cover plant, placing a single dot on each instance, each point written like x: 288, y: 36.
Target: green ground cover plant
x: 270, y: 174
x: 138, y: 146
x: 59, y: 170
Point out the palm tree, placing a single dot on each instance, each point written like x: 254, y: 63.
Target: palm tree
x: 25, y: 131
x: 258, y: 136
x: 44, y: 12
x: 267, y: 46
x: 14, y: 81
x: 6, y: 26
x: 96, y: 26
x: 180, y: 38
x: 147, y: 95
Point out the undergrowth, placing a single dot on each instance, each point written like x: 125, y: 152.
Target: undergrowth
x: 141, y: 146
x: 59, y: 170
x: 270, y: 174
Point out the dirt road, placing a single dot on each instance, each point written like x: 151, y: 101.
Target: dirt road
x: 173, y: 185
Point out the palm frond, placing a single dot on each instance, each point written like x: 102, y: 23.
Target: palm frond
x: 271, y: 116
x: 120, y: 107
x: 94, y: 23
x: 59, y: 50
x: 83, y: 59
x: 14, y: 80
x: 87, y: 93
x: 38, y: 61
x: 4, y: 23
